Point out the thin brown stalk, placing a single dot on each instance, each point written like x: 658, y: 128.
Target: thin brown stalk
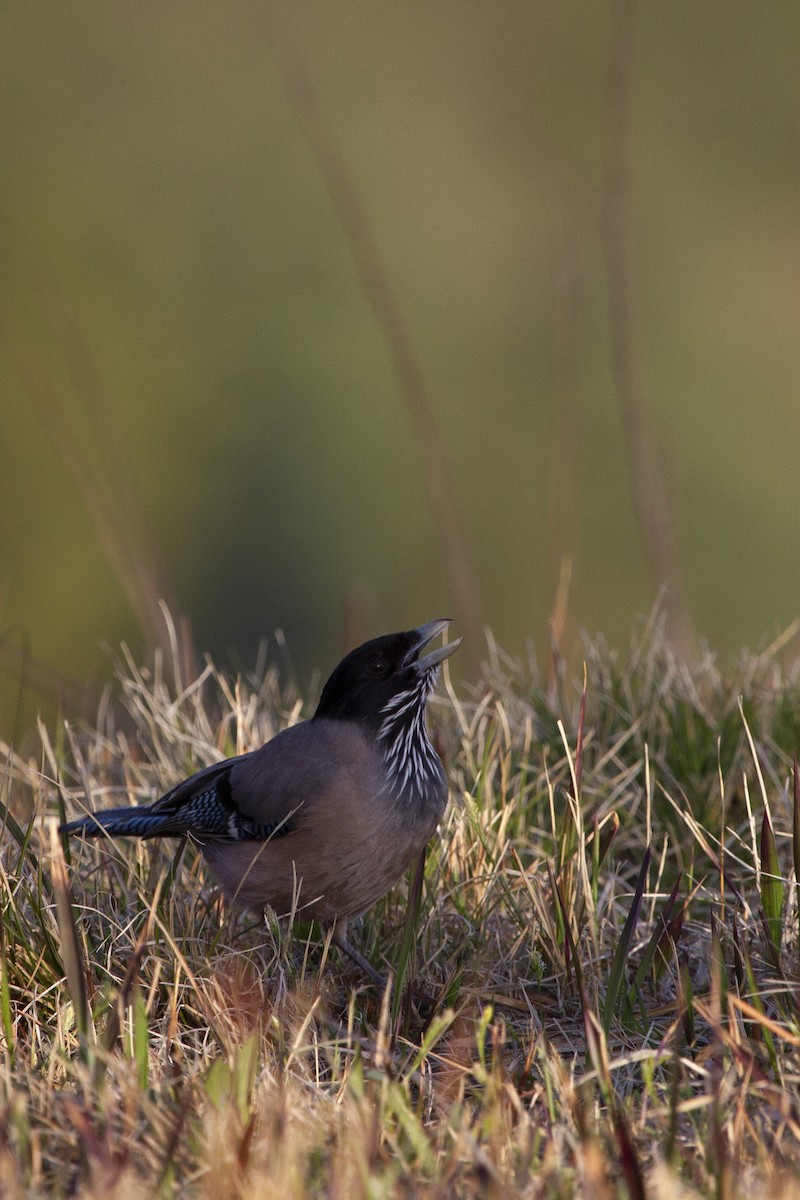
x: 47, y: 681
x: 235, y: 1065
x: 563, y: 467
x: 122, y: 531
x: 651, y: 497
x: 129, y: 506
x: 439, y: 483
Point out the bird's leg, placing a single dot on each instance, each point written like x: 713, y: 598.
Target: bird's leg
x: 340, y: 938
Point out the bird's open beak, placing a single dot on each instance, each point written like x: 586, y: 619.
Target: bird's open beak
x: 425, y: 634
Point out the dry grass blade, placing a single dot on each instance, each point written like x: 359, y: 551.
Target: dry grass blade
x: 607, y: 829
x: 756, y: 1014
x: 129, y: 980
x: 236, y: 1064
x: 71, y: 950
x: 597, y: 1052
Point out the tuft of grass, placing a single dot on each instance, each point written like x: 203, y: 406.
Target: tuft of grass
x: 599, y: 956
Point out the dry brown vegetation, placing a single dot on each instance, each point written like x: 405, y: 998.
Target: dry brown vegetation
x: 602, y: 999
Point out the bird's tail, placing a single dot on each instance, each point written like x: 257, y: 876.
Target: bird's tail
x: 127, y: 822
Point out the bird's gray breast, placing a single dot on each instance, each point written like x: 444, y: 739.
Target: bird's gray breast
x: 350, y: 835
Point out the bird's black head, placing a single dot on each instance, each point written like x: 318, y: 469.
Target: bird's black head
x: 381, y: 671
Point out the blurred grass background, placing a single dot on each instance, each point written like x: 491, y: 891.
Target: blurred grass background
x: 179, y: 301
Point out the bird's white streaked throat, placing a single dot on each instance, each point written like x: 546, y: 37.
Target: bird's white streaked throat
x: 412, y: 763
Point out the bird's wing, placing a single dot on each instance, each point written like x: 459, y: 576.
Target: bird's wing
x: 302, y: 768
x: 263, y: 794
x: 213, y: 803
x: 253, y: 796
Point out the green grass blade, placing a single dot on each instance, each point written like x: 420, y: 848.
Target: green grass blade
x: 245, y: 1069
x: 758, y: 1032
x: 772, y: 889
x: 5, y: 994
x: 624, y: 947
x: 22, y: 838
x: 571, y: 955
x: 796, y: 831
x: 719, y: 969
x: 659, y: 942
x: 686, y: 1002
x: 408, y: 944
x: 141, y: 1039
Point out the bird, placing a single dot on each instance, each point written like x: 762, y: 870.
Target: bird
x: 324, y: 818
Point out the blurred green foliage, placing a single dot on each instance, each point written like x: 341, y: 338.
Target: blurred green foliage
x: 159, y: 197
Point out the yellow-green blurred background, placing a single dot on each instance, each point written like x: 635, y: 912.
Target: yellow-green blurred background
x: 165, y: 224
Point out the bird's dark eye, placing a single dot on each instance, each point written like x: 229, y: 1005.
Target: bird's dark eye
x: 377, y: 665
